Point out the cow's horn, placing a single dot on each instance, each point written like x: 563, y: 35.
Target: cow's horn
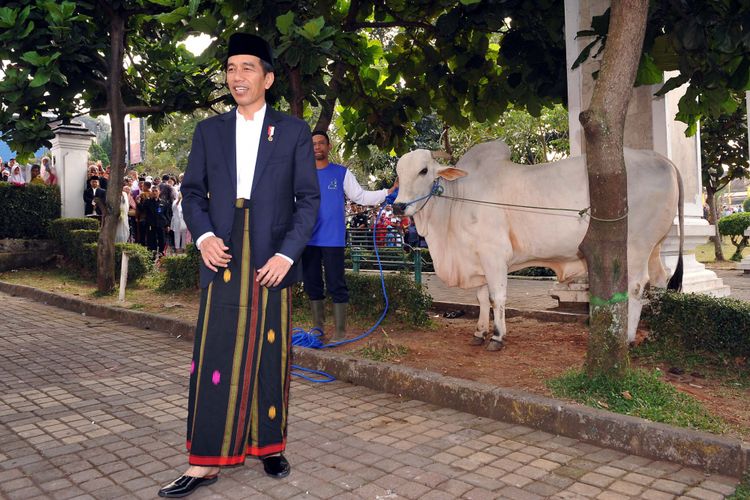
x: 441, y: 155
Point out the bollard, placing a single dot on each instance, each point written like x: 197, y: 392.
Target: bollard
x: 417, y: 265
x: 123, y: 276
x: 355, y: 260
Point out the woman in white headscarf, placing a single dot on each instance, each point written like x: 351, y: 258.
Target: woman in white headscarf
x: 16, y: 177
x: 123, y: 227
x: 178, y: 225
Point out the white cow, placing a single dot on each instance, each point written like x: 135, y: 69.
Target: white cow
x: 474, y: 242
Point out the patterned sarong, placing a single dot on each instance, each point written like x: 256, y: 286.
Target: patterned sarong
x: 239, y: 374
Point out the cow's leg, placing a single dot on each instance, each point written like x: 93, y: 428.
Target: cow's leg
x: 657, y: 275
x: 498, y: 288
x: 483, y: 324
x: 637, y: 282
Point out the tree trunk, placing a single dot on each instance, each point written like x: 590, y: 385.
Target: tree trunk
x: 295, y: 82
x: 713, y: 218
x: 605, y: 243
x: 332, y: 95
x: 105, y: 258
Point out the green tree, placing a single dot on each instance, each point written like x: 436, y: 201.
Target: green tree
x: 734, y: 226
x: 167, y: 149
x: 723, y: 158
x: 97, y: 153
x: 114, y: 57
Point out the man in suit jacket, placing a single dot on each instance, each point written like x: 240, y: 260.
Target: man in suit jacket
x: 93, y: 191
x: 250, y: 198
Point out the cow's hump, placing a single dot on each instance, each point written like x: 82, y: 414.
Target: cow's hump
x: 493, y: 151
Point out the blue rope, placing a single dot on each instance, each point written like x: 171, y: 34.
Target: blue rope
x: 312, y: 338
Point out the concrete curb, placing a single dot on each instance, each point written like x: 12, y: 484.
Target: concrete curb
x: 627, y: 434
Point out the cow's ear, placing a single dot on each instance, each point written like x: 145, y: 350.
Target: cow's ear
x: 452, y: 173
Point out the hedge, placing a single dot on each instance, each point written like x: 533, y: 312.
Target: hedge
x: 28, y: 210
x: 407, y: 300
x: 77, y: 239
x: 181, y: 271
x: 140, y: 263
x: 700, y: 323
x: 60, y: 230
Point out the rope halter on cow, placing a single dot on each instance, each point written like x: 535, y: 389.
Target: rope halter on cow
x: 438, y: 190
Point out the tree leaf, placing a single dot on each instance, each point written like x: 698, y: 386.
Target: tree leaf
x: 284, y: 22
x: 40, y: 78
x: 648, y: 72
x: 311, y: 29
x: 470, y: 2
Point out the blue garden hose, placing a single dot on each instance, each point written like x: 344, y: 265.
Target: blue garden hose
x: 311, y: 339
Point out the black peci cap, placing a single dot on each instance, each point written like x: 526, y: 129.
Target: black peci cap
x: 253, y: 45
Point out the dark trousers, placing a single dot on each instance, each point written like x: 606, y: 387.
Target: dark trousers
x: 155, y: 240
x: 240, y: 372
x: 314, y: 259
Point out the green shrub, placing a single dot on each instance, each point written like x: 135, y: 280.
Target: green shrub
x: 734, y: 226
x: 181, y: 271
x: 28, y: 210
x: 746, y: 205
x: 407, y: 300
x: 696, y: 323
x: 76, y: 252
x: 140, y: 260
x: 140, y: 263
x: 60, y: 229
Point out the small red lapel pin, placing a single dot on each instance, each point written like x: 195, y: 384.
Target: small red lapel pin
x: 271, y: 129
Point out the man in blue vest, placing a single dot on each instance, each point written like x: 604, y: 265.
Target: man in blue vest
x: 326, y: 247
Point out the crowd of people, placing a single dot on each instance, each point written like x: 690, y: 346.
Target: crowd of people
x: 150, y: 209
x: 21, y: 174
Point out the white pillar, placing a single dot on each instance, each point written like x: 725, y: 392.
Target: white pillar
x: 650, y: 124
x: 70, y: 153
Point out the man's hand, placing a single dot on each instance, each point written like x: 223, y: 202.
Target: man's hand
x: 273, y: 271
x: 213, y: 251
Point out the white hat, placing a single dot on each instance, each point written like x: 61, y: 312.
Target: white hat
x: 149, y: 178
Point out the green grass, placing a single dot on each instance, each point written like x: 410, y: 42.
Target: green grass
x: 732, y: 372
x: 743, y: 489
x: 383, y: 351
x: 640, y: 394
x: 705, y: 252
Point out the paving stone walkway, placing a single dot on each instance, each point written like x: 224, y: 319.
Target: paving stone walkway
x: 90, y: 408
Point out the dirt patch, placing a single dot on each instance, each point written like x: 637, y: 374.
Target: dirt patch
x: 535, y: 351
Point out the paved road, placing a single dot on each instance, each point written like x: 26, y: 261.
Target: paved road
x: 534, y: 294
x: 95, y: 409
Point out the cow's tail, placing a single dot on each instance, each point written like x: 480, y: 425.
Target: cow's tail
x: 675, y: 282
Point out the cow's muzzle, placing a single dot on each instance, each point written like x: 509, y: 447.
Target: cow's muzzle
x: 399, y: 208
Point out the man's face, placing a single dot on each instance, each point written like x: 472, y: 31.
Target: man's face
x: 94, y: 183
x: 321, y: 147
x: 140, y: 185
x: 154, y: 192
x: 246, y: 80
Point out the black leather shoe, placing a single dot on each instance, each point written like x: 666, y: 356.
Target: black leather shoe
x: 276, y: 466
x: 185, y: 485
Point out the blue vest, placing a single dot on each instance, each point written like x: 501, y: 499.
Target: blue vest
x: 330, y: 228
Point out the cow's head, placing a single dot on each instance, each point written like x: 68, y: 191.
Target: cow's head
x: 417, y: 171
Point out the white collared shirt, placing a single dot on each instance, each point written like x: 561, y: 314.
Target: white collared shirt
x: 247, y: 140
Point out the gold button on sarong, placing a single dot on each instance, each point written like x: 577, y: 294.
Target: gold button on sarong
x: 227, y: 275
x: 272, y: 412
x: 271, y: 336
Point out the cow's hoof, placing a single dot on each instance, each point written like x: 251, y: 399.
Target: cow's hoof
x: 495, y: 345
x: 476, y: 341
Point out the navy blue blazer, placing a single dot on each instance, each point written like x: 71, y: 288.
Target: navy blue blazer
x: 285, y: 195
